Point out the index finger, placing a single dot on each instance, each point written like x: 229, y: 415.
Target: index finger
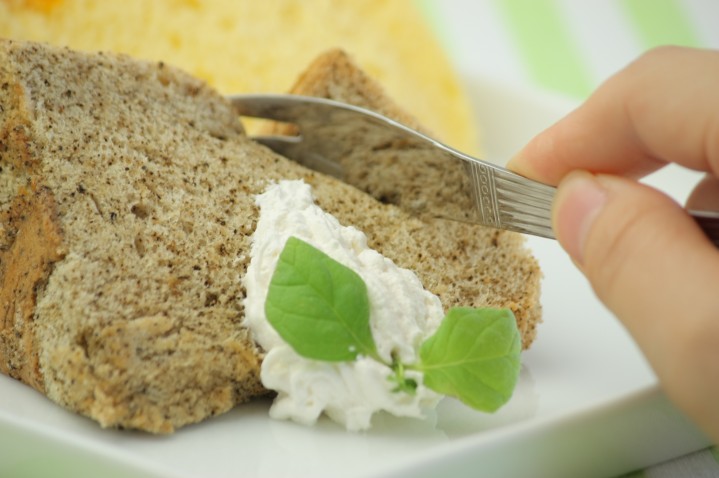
x: 664, y: 107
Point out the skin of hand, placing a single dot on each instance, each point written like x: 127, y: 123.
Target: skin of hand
x: 644, y: 256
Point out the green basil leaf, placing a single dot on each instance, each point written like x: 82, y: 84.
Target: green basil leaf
x: 474, y: 356
x: 318, y: 306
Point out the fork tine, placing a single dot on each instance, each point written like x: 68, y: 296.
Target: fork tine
x: 287, y: 146
x: 267, y: 106
x: 277, y: 143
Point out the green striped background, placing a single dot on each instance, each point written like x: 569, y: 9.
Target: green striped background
x: 551, y: 57
x: 553, y: 60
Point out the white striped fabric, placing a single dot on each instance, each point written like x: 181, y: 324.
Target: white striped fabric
x: 567, y: 46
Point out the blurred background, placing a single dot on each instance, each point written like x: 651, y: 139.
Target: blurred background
x: 565, y: 46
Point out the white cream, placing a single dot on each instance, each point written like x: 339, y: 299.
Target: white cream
x: 402, y: 315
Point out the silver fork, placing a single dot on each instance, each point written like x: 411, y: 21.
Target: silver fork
x: 499, y: 198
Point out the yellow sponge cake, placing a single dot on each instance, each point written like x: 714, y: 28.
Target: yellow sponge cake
x: 252, y: 46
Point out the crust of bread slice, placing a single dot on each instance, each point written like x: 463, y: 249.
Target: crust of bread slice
x: 127, y: 208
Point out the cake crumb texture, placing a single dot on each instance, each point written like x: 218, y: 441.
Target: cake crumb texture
x: 127, y: 206
x: 128, y: 237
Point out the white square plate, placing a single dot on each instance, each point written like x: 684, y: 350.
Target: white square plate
x: 587, y: 403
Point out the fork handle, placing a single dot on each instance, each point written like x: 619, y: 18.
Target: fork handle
x: 708, y: 221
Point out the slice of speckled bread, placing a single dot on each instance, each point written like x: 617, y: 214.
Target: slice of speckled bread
x: 126, y: 211
x: 465, y: 264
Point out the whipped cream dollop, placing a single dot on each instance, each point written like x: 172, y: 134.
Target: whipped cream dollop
x: 402, y: 315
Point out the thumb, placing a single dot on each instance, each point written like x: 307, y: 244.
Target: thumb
x: 657, y: 272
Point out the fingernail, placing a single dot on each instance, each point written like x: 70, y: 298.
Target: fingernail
x: 530, y: 160
x: 520, y: 165
x: 580, y: 198
x: 515, y: 162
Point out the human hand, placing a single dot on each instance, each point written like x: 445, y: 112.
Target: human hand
x: 644, y: 256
